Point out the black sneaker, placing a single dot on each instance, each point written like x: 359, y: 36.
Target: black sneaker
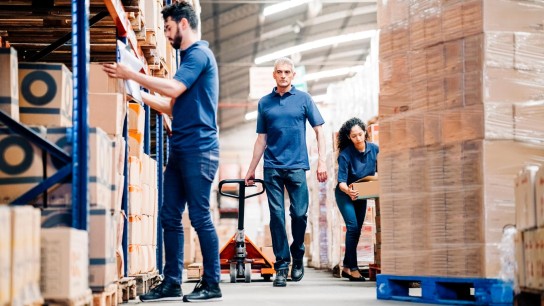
x: 163, y: 292
x: 281, y: 278
x: 297, y: 271
x: 204, y: 292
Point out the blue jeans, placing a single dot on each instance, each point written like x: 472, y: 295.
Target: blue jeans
x: 188, y: 180
x: 295, y: 183
x: 353, y: 213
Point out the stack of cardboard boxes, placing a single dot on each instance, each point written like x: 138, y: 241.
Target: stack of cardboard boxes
x: 457, y: 80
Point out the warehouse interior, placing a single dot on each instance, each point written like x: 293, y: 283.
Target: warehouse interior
x: 451, y: 91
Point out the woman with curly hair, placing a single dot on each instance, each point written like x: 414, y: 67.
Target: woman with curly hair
x: 357, y: 159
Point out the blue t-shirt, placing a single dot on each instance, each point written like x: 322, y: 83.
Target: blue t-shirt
x: 194, y: 126
x: 354, y: 165
x: 283, y: 120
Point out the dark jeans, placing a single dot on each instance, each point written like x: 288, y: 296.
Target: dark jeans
x: 295, y: 183
x: 353, y: 213
x: 187, y: 180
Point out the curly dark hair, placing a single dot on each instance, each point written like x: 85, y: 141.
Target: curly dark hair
x: 343, y: 134
x: 180, y: 10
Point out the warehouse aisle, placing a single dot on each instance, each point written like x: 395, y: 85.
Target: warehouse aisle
x: 318, y: 288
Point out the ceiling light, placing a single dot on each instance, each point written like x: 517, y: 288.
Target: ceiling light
x: 251, y: 116
x: 282, y: 6
x: 315, y: 44
x: 331, y: 73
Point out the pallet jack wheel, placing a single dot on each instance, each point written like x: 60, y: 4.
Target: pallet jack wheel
x: 267, y: 277
x: 233, y: 272
x: 247, y: 272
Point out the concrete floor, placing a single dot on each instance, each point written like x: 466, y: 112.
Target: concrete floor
x: 318, y: 288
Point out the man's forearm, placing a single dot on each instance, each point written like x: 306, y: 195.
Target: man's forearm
x: 158, y: 103
x: 166, y: 87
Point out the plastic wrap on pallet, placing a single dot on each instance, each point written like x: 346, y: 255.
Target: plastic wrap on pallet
x: 529, y: 51
x: 391, y: 12
x: 528, y: 119
x: 444, y: 207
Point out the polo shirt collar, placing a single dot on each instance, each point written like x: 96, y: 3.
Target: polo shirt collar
x: 291, y: 92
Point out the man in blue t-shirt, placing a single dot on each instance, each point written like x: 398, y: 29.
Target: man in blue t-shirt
x: 281, y: 128
x: 191, y: 97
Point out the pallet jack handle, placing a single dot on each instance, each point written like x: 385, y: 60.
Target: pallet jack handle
x: 241, y: 195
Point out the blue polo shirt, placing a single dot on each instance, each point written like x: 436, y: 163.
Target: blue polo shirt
x: 194, y: 126
x: 354, y: 165
x: 283, y: 120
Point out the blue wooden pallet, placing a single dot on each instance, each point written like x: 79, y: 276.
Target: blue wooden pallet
x: 446, y: 290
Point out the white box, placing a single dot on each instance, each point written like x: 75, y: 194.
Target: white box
x: 65, y: 263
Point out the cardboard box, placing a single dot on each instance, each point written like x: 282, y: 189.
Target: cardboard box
x: 136, y: 118
x: 100, y: 82
x: 107, y: 111
x: 21, y: 164
x: 136, y: 144
x: 5, y: 255
x: 100, y: 168
x: 367, y: 190
x: 528, y: 118
x: 102, y: 236
x: 65, y: 263
x: 539, y: 197
x: 9, y: 82
x: 526, y: 212
x: 45, y: 94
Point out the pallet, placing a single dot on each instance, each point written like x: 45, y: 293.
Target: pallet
x: 107, y: 297
x: 194, y: 271
x: 445, y: 290
x: 85, y: 299
x: 126, y: 289
x: 529, y: 297
x: 146, y: 281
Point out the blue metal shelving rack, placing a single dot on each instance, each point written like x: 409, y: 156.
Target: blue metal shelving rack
x: 76, y: 165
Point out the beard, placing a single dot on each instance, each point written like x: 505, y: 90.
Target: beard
x: 176, y: 43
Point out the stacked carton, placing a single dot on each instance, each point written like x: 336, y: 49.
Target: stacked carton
x: 20, y: 255
x: 529, y: 247
x: 453, y: 76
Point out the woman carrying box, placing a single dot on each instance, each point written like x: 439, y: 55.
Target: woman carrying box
x: 357, y: 159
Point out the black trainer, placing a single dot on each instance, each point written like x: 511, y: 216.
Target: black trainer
x: 281, y: 278
x: 297, y: 271
x: 163, y: 292
x: 204, y: 292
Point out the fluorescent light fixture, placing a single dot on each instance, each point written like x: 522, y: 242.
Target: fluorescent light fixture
x: 282, y: 6
x: 251, y: 116
x: 316, y: 44
x: 331, y: 73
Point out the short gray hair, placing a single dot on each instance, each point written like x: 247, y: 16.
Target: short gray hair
x: 284, y: 61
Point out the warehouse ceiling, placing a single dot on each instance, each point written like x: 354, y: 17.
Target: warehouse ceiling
x: 237, y: 31
x: 238, y: 34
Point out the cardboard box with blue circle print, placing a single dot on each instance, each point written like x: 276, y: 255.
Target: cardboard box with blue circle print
x: 45, y: 94
x: 21, y: 164
x: 99, y: 163
x: 9, y: 82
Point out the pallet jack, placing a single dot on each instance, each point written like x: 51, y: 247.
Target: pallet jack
x: 239, y: 256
